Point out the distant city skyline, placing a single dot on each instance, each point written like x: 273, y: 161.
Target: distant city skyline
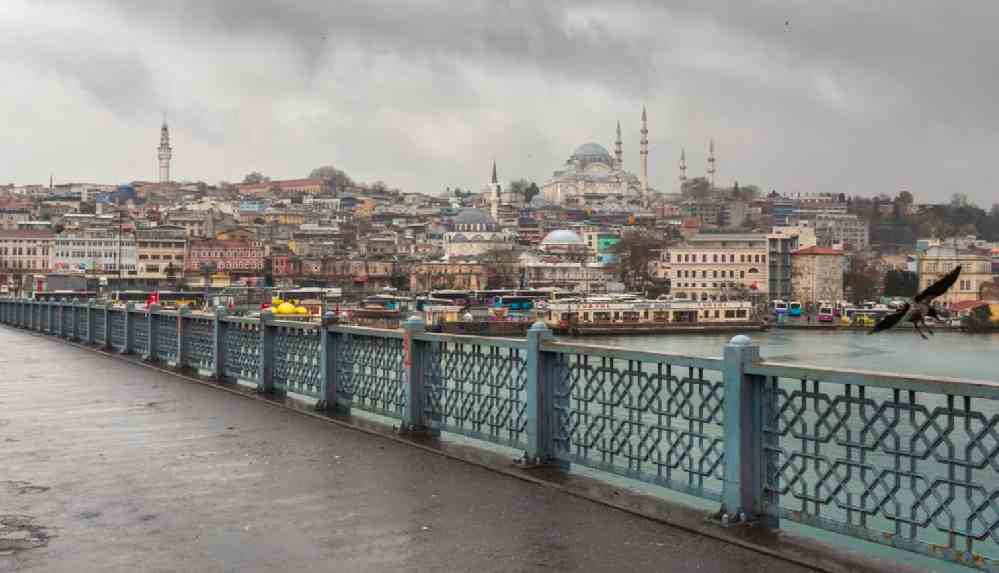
x: 848, y: 98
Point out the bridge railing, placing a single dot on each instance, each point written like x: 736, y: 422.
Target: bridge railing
x: 906, y: 461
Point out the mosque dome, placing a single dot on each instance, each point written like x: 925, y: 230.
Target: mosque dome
x: 561, y: 237
x: 591, y: 152
x: 473, y: 220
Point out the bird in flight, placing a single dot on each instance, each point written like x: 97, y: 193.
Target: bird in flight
x: 920, y: 307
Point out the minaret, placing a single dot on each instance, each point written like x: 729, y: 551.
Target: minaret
x: 494, y: 201
x: 644, y: 155
x: 165, y: 153
x: 618, y: 153
x: 683, y: 166
x: 711, y: 163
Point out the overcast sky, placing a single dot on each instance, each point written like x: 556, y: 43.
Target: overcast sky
x: 857, y: 97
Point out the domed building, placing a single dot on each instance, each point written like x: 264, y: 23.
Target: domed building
x: 592, y: 175
x: 473, y: 232
x: 563, y: 242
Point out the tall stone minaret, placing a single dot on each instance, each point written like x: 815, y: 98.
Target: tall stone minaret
x: 644, y: 155
x: 618, y: 152
x: 683, y: 166
x: 165, y: 153
x: 711, y: 163
x: 494, y: 200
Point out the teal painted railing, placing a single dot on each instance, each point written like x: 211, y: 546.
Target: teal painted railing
x: 907, y: 461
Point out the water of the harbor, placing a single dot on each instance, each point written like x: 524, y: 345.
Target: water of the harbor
x: 950, y: 354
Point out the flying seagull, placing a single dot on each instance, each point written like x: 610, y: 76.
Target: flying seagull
x: 920, y: 307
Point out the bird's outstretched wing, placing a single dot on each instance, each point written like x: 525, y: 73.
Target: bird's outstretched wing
x: 889, y: 320
x: 938, y: 288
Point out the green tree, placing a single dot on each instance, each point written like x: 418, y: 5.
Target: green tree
x: 697, y: 189
x: 901, y: 283
x: 502, y: 268
x: 860, y: 280
x: 337, y: 178
x: 636, y: 252
x: 255, y: 177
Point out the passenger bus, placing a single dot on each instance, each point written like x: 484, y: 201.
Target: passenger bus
x: 794, y: 309
x: 826, y: 312
x: 779, y: 306
x: 57, y: 295
x: 458, y: 297
x: 514, y: 302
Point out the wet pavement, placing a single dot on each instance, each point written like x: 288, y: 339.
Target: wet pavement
x: 111, y: 466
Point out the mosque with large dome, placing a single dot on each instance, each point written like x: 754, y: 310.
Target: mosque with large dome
x: 592, y: 175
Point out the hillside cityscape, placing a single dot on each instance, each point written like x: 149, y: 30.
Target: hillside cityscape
x: 592, y: 227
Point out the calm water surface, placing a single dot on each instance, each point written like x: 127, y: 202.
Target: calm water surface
x: 952, y: 354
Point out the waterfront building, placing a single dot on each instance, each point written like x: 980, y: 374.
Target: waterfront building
x: 160, y: 252
x: 232, y: 257
x: 716, y: 266
x: 816, y: 275
x: 780, y: 246
x: 473, y: 232
x: 25, y: 251
x: 581, y: 277
x: 976, y: 270
x: 434, y: 275
x: 101, y: 250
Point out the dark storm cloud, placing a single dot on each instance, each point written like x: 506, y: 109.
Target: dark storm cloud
x: 848, y: 96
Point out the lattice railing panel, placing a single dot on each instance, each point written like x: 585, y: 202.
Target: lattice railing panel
x: 67, y: 321
x: 477, y: 390
x: 82, y: 326
x: 297, y: 355
x: 648, y: 420
x: 242, y: 351
x: 911, y: 469
x: 200, y: 341
x: 99, y: 326
x: 370, y: 371
x: 140, y: 322
x: 166, y: 338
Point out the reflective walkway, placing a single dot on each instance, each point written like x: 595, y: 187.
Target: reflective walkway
x: 110, y: 466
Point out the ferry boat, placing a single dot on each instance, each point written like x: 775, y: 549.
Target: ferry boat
x: 632, y: 315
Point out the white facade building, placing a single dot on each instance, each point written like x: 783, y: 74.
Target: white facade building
x: 95, y: 250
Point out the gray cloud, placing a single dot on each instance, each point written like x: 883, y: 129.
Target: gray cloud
x: 853, y: 97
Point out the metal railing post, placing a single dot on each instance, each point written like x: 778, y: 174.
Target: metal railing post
x: 183, y: 324
x: 72, y: 319
x: 327, y: 365
x: 106, y: 343
x: 152, y: 311
x: 90, y: 321
x: 62, y: 323
x: 745, y: 465
x: 129, y: 334
x: 543, y: 401
x: 265, y: 373
x: 36, y: 316
x: 218, y: 344
x: 412, y: 372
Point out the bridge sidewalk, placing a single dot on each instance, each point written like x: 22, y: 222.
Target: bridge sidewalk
x: 111, y: 466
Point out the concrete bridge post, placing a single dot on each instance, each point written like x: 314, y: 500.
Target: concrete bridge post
x: 412, y: 364
x: 218, y: 344
x: 327, y: 367
x: 745, y: 460
x: 152, y: 313
x: 129, y: 337
x: 106, y: 343
x: 183, y: 327
x: 61, y: 322
x: 90, y: 321
x: 265, y: 372
x: 542, y: 401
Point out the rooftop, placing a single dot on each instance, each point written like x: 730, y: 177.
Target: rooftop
x: 818, y: 251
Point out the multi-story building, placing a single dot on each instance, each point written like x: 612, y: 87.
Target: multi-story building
x: 11, y: 216
x: 781, y: 245
x: 816, y: 275
x: 713, y: 266
x: 231, y: 257
x: 96, y: 250
x: 160, y: 252
x: 582, y: 277
x: 976, y: 270
x: 849, y: 231
x: 25, y: 251
x: 448, y: 275
x: 196, y: 224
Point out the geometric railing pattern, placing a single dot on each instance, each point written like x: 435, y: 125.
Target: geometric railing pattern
x: 477, y: 389
x: 650, y: 417
x: 918, y: 468
x: 899, y: 460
